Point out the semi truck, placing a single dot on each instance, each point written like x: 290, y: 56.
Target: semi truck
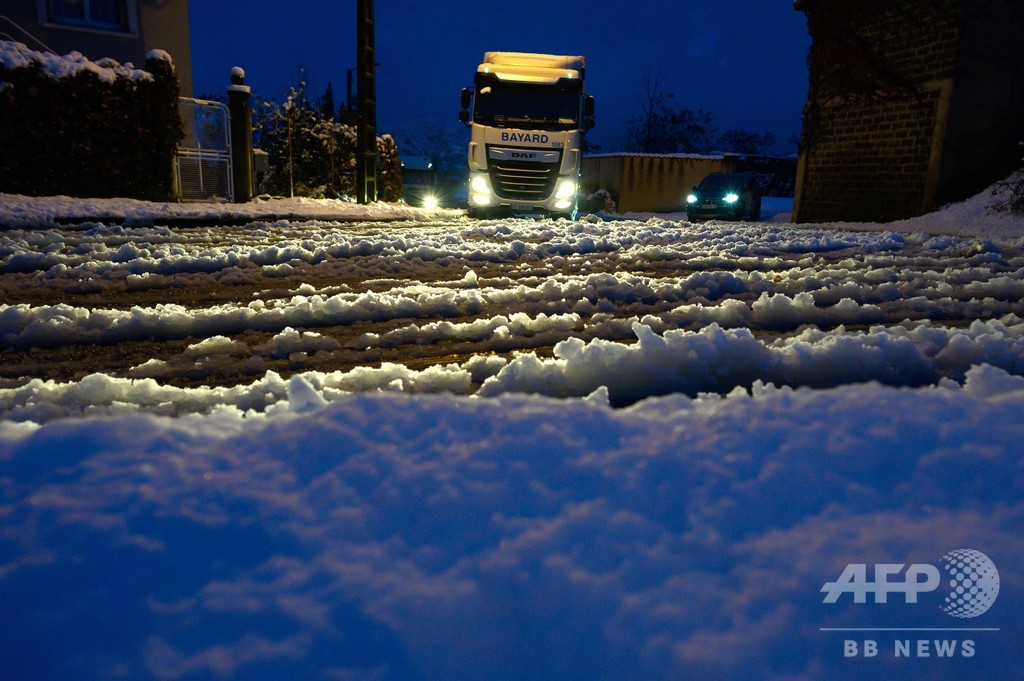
x: 527, y: 114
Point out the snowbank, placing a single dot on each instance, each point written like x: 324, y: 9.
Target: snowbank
x: 397, y: 537
x: 712, y: 360
x: 41, y: 211
x: 986, y: 214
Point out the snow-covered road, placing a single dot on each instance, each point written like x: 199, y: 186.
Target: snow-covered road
x: 449, y: 306
x: 648, y: 446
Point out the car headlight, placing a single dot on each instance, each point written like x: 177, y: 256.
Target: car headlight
x: 732, y: 198
x: 430, y: 202
x: 692, y: 198
x: 566, y: 189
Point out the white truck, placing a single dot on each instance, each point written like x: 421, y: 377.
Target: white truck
x: 529, y: 115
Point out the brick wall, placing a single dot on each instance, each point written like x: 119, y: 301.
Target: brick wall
x: 871, y: 163
x: 876, y: 104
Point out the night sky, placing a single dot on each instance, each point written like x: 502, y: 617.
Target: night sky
x: 744, y: 61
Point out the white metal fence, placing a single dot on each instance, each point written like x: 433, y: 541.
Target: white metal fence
x: 203, y: 159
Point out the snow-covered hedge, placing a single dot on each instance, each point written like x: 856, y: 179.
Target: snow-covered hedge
x: 69, y: 126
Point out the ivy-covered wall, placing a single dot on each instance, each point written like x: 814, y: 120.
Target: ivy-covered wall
x: 87, y: 129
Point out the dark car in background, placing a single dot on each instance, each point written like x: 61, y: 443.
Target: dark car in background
x: 725, y: 196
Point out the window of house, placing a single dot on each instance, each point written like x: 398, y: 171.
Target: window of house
x: 104, y: 15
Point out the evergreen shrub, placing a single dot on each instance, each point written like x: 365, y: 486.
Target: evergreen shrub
x: 97, y: 130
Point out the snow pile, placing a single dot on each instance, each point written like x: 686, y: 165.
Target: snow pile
x: 986, y: 214
x: 396, y: 537
x: 39, y: 401
x: 32, y: 212
x: 291, y: 341
x: 712, y: 360
x: 487, y: 333
x: 63, y: 324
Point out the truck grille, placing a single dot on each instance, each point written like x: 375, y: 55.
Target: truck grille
x: 523, y: 180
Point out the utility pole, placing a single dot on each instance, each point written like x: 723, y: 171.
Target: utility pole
x: 348, y: 91
x: 366, y: 94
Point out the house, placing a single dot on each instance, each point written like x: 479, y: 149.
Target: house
x: 912, y: 104
x: 124, y: 30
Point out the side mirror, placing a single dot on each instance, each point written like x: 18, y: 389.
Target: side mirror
x: 588, y: 123
x: 588, y: 107
x: 467, y: 97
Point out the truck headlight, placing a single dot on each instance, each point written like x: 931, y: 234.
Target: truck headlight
x: 692, y: 198
x: 566, y: 189
x: 479, y: 190
x: 732, y: 198
x: 480, y: 185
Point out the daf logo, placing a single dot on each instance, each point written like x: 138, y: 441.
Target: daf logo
x: 524, y: 155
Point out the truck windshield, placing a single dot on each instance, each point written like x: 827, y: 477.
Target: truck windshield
x: 526, y: 105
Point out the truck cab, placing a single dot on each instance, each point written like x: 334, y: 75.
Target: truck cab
x: 527, y: 115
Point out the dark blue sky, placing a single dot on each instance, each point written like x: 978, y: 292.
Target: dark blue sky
x: 742, y: 60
